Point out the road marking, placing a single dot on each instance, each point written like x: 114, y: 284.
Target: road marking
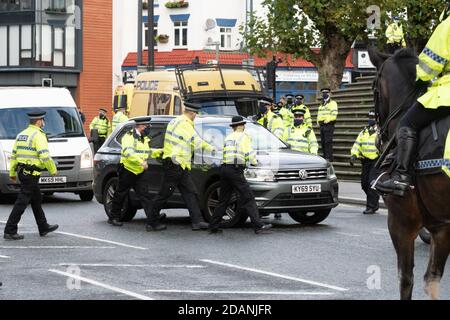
x: 131, y: 265
x: 103, y: 285
x: 54, y: 247
x: 348, y: 234
x: 101, y: 240
x: 5, y: 257
x: 274, y: 275
x: 289, y: 293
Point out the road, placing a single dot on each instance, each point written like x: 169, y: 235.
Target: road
x: 348, y: 256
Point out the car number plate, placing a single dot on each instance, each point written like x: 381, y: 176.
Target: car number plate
x: 50, y: 180
x: 307, y: 188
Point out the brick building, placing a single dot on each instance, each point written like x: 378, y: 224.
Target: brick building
x: 66, y: 41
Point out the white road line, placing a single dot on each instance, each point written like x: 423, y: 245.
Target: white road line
x: 289, y: 293
x: 5, y: 257
x: 274, y: 275
x: 103, y: 285
x: 101, y: 240
x: 131, y: 265
x: 348, y: 234
x: 54, y: 247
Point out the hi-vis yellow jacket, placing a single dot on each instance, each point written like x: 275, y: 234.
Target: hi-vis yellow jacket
x: 434, y: 62
x: 364, y: 146
x: 136, y: 150
x: 273, y: 123
x: 302, y: 138
x: 31, y: 148
x: 308, y: 120
x: 118, y: 118
x: 238, y: 150
x: 287, y: 116
x: 327, y: 112
x: 181, y: 140
x: 394, y: 34
x: 102, y: 125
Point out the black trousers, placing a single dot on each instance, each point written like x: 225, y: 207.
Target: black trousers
x: 232, y: 178
x: 29, y: 192
x: 326, y: 140
x: 368, y: 174
x: 139, y: 183
x: 175, y: 176
x: 98, y: 144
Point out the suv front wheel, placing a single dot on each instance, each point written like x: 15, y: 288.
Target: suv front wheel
x: 233, y: 216
x: 306, y: 217
x: 128, y: 212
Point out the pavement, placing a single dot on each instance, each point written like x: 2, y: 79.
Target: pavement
x: 348, y: 256
x: 350, y: 192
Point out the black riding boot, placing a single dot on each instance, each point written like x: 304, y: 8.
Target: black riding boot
x: 401, y: 180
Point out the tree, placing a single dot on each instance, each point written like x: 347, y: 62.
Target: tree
x: 298, y: 26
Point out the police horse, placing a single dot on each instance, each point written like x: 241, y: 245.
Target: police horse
x: 427, y: 205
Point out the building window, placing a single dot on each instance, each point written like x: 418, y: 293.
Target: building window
x: 225, y: 38
x: 155, y: 33
x: 181, y: 34
x: 16, y: 5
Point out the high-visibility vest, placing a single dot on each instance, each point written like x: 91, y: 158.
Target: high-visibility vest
x: 364, y: 146
x: 446, y: 166
x: 118, y: 118
x: 287, y: 116
x: 181, y: 140
x: 308, y: 120
x: 102, y: 125
x: 434, y: 62
x: 136, y: 150
x: 273, y: 123
x: 31, y: 149
x: 302, y: 138
x: 327, y: 112
x: 394, y: 34
x: 238, y: 149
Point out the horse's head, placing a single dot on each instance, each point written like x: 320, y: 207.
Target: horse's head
x: 394, y: 86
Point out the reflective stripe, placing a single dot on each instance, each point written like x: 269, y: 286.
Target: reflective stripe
x: 26, y: 148
x: 437, y: 58
x: 427, y: 69
x: 26, y: 156
x: 43, y: 151
x: 30, y: 144
x: 178, y: 145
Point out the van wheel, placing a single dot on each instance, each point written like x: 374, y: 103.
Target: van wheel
x: 128, y: 212
x: 232, y: 217
x: 86, y: 195
x: 306, y: 217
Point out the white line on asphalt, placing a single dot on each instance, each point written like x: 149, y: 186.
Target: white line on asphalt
x: 132, y: 265
x: 5, y: 257
x: 304, y: 293
x: 101, y: 240
x: 54, y: 247
x: 274, y: 275
x: 348, y: 234
x: 103, y: 285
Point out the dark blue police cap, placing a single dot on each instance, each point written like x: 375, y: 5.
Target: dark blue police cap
x: 36, y: 115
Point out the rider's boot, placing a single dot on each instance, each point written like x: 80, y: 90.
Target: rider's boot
x: 401, y: 180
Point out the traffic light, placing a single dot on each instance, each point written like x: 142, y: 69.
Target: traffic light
x: 271, y: 67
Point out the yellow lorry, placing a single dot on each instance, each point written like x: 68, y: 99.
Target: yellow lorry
x: 218, y: 89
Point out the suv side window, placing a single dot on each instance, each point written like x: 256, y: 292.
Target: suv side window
x: 117, y: 141
x: 157, y: 133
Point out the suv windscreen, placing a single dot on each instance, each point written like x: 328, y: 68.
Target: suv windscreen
x: 60, y: 122
x: 241, y: 107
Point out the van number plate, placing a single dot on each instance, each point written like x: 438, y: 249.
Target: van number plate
x: 49, y: 180
x: 307, y: 188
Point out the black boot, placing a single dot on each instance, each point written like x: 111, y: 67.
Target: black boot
x: 401, y: 180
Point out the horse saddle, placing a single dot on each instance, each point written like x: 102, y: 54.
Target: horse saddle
x: 430, y: 150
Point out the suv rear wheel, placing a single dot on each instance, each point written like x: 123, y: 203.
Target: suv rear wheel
x: 307, y: 217
x: 128, y: 212
x: 86, y: 195
x: 233, y: 217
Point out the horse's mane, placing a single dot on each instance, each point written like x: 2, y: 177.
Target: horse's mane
x: 406, y: 60
x: 405, y: 53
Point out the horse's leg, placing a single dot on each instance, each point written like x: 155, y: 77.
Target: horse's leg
x: 440, y: 249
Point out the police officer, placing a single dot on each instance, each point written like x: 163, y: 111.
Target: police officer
x: 299, y: 105
x: 434, y: 62
x: 30, y: 156
x: 326, y: 118
x: 101, y: 124
x: 301, y: 137
x: 270, y: 120
x: 285, y: 113
x: 132, y: 172
x: 365, y: 149
x: 180, y: 142
x: 395, y: 36
x: 289, y: 101
x: 119, y: 118
x: 237, y: 155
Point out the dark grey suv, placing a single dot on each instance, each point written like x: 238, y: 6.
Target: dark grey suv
x: 285, y: 181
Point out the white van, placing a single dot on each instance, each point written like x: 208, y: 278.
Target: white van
x: 68, y: 145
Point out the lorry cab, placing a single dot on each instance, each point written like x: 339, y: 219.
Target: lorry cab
x: 220, y: 90
x: 68, y: 145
